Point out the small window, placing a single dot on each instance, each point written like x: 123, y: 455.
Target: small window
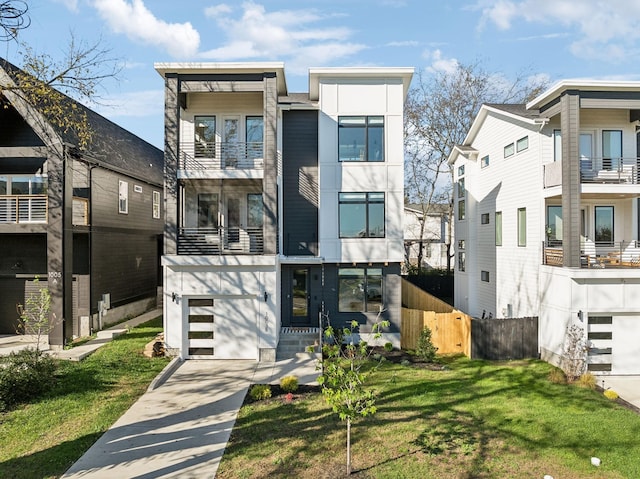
x: 194, y: 302
x: 522, y: 144
x: 484, y: 218
x: 156, y: 205
x: 557, y: 145
x: 522, y: 227
x: 460, y: 170
x: 461, y: 189
x: 123, y: 197
x: 508, y: 150
x: 498, y: 228
x: 484, y: 276
x: 461, y: 260
x: 484, y: 162
x: 462, y: 210
x: 137, y: 189
x: 461, y: 244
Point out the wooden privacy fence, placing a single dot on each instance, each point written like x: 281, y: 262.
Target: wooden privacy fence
x: 450, y: 332
x: 415, y: 298
x: 504, y: 338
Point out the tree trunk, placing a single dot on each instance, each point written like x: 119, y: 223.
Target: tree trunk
x: 348, y: 447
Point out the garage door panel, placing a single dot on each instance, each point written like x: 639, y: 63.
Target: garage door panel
x: 626, y: 345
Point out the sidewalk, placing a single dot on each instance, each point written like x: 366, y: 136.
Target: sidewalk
x: 180, y: 429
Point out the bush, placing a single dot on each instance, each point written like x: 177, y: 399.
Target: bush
x: 425, y: 349
x: 388, y: 347
x: 24, y: 375
x: 289, y: 384
x: 587, y: 380
x: 258, y: 392
x: 557, y: 376
x: 611, y: 394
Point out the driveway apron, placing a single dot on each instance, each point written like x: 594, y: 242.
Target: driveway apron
x: 179, y: 429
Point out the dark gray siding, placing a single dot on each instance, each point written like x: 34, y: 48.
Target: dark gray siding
x: 15, y: 131
x: 300, y: 182
x: 315, y: 295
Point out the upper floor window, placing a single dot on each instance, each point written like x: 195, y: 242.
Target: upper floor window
x: 23, y: 185
x: 604, y: 224
x: 156, y: 205
x: 361, y: 138
x: 254, y: 210
x: 611, y: 149
x: 361, y: 215
x: 204, y: 130
x: 508, y: 150
x: 123, y: 197
x: 484, y: 162
x: 255, y: 136
x: 522, y: 227
x: 460, y: 170
x: 462, y: 210
x: 522, y: 144
x: 557, y: 145
x: 484, y: 218
x: 498, y: 228
x: 461, y: 190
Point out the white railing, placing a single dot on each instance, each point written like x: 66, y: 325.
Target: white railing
x: 23, y: 209
x: 619, y: 254
x: 219, y: 155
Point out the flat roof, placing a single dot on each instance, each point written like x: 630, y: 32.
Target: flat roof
x: 581, y: 85
x: 315, y: 74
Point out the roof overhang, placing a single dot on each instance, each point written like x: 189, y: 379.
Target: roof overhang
x: 404, y: 74
x: 559, y: 88
x: 229, y: 68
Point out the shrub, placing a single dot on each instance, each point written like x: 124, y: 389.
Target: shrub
x: 405, y: 362
x: 388, y: 347
x: 587, y: 380
x: 557, y: 376
x: 425, y: 349
x: 24, y: 375
x: 258, y: 392
x: 611, y: 394
x: 289, y: 384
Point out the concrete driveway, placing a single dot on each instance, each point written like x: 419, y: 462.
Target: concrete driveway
x: 627, y: 387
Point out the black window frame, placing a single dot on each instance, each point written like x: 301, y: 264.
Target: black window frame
x: 372, y: 155
x: 365, y: 289
x: 368, y: 201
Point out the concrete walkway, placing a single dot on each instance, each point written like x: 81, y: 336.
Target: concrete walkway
x: 180, y: 427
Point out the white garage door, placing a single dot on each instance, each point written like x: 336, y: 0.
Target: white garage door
x: 222, y: 328
x: 625, y: 351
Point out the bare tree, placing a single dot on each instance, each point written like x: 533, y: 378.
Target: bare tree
x: 439, y: 112
x: 13, y: 18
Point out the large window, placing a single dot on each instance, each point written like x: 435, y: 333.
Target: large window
x: 604, y: 224
x: 361, y: 138
x: 207, y: 210
x: 522, y: 227
x: 557, y: 145
x: 204, y: 136
x: 254, y: 210
x: 255, y: 136
x: 360, y: 290
x: 361, y: 215
x: 611, y: 149
x: 462, y: 210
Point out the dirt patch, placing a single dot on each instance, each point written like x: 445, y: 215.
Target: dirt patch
x: 401, y: 356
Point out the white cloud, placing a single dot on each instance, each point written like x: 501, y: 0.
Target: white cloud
x: 132, y: 104
x: 405, y: 43
x: 136, y: 21
x: 440, y: 64
x: 604, y: 30
x: 283, y: 34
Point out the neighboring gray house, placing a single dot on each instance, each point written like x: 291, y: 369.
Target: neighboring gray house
x: 87, y: 223
x: 433, y: 237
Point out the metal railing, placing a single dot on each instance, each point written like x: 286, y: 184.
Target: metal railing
x: 607, y: 254
x: 219, y: 155
x: 597, y: 170
x: 23, y: 209
x: 222, y: 240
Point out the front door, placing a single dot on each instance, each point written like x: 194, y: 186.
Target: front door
x: 300, y: 297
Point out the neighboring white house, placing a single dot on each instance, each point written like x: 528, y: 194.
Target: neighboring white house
x: 434, y: 235
x: 547, y: 218
x: 279, y: 206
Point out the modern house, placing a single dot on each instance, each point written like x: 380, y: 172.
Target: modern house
x: 85, y: 221
x: 428, y: 231
x: 279, y: 206
x: 547, y: 218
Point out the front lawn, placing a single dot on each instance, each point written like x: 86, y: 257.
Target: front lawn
x: 475, y: 419
x: 43, y: 438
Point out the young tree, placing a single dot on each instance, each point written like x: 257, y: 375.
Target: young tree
x: 439, y: 111
x: 34, y: 314
x: 343, y: 377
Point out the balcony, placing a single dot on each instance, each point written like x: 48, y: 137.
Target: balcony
x: 220, y: 155
x: 21, y: 209
x: 220, y: 241
x: 623, y: 254
x: 622, y: 171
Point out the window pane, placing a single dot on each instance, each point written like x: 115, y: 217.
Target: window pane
x: 254, y: 210
x: 461, y: 260
x: 351, y: 139
x: 461, y: 188
x: 554, y: 225
x: 3, y: 185
x: 557, y: 145
x: 508, y: 150
x: 376, y: 220
x: 353, y: 222
x: 461, y: 210
x: 375, y: 143
x: 351, y: 283
x: 20, y: 185
x: 255, y: 135
x: 611, y: 149
x: 604, y: 224
x: 204, y: 135
x: 484, y: 162
x: 522, y: 144
x: 374, y: 289
x: 522, y: 227
x: 39, y: 185
x: 498, y: 228
x: 208, y: 210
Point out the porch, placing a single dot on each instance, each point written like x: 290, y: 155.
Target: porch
x: 597, y: 170
x: 623, y: 254
x: 218, y: 155
x: 20, y: 209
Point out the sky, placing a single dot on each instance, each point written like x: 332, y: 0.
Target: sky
x: 554, y: 39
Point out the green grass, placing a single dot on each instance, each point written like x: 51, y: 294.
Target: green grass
x: 475, y: 419
x: 43, y: 438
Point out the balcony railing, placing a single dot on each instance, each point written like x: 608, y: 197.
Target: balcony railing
x: 80, y: 211
x: 623, y: 254
x: 224, y: 241
x: 219, y: 155
x: 23, y: 209
x: 597, y: 170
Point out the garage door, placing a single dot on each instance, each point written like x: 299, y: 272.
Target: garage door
x: 222, y: 328
x: 625, y: 351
